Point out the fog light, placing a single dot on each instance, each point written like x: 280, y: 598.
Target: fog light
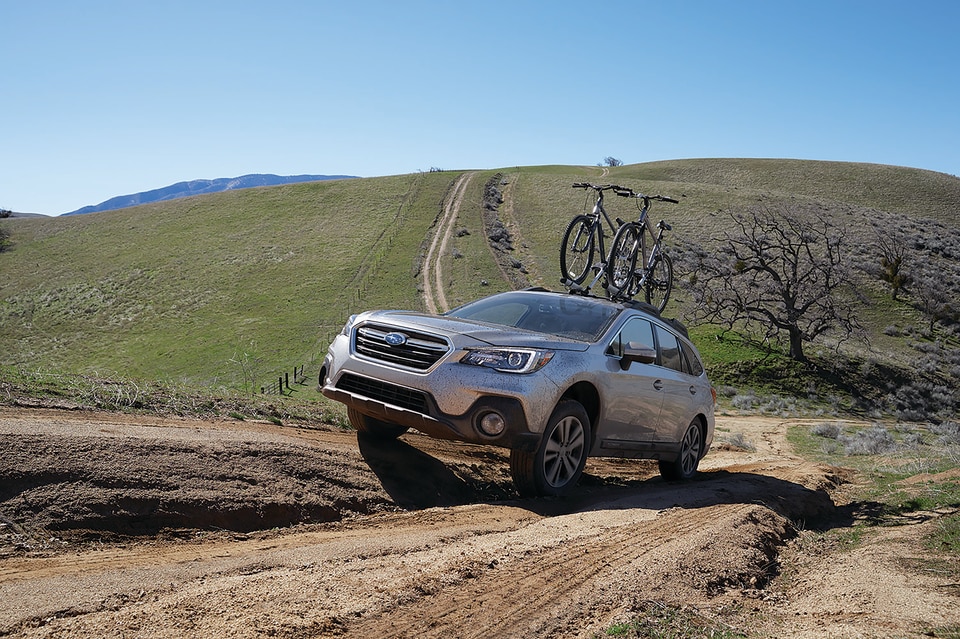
x: 492, y: 424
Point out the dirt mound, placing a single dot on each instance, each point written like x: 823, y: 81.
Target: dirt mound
x: 97, y: 487
x: 141, y: 486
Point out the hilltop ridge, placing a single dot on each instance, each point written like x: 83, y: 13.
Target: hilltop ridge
x: 201, y: 187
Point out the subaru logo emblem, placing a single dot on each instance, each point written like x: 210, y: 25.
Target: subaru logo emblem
x: 395, y: 339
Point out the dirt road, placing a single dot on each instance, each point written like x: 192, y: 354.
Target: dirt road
x: 434, y: 294
x: 123, y: 526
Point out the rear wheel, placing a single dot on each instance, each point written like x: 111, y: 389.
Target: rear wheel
x: 558, y: 462
x: 691, y: 450
x: 374, y: 427
x: 660, y: 282
x: 576, y: 250
x: 623, y: 256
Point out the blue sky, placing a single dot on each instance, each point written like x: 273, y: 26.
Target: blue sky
x: 104, y: 98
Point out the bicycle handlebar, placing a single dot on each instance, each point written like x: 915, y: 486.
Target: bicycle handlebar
x: 623, y: 191
x: 596, y: 187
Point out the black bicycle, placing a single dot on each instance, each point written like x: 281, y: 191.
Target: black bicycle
x: 584, y: 237
x: 630, y: 267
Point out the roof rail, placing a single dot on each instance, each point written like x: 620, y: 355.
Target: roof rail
x: 642, y: 306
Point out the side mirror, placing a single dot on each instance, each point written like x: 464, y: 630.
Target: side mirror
x: 636, y: 352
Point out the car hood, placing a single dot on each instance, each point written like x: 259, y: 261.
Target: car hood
x: 457, y: 329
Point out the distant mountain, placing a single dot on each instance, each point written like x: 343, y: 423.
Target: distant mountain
x: 200, y: 187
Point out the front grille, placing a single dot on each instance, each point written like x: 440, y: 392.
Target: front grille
x: 418, y: 351
x: 384, y: 392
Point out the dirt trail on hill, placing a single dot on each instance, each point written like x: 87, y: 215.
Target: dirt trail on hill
x: 434, y: 295
x: 134, y: 526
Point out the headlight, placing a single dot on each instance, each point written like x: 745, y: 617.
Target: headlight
x: 345, y: 331
x: 508, y: 360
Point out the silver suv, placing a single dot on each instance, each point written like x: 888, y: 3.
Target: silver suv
x: 554, y: 377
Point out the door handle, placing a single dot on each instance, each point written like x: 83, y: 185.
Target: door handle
x: 693, y: 390
x: 658, y: 385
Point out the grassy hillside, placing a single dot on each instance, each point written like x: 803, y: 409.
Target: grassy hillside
x: 197, y: 289
x: 221, y: 291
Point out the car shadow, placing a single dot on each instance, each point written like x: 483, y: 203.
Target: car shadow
x: 806, y: 507
x: 415, y: 480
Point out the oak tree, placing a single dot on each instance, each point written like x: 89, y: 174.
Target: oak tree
x: 775, y: 274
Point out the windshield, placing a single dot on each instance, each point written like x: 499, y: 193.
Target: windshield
x: 561, y: 315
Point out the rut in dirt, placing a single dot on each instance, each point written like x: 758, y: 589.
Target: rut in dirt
x: 558, y: 589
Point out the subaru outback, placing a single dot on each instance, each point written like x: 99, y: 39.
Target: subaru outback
x: 553, y: 377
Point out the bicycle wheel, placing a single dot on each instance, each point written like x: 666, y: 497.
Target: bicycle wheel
x: 576, y: 250
x: 623, y: 256
x: 660, y: 282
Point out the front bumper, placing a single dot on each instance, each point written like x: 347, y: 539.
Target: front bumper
x: 373, y: 397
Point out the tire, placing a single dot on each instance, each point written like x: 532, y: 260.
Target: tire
x: 660, y: 282
x: 374, y: 427
x: 558, y: 462
x: 684, y: 467
x: 576, y: 250
x: 627, y: 243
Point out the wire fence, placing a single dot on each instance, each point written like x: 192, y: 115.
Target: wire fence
x: 281, y: 386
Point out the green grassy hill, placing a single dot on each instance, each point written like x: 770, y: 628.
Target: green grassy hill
x: 222, y: 291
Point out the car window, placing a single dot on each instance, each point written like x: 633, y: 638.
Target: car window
x: 691, y: 362
x: 636, y: 330
x: 508, y: 314
x: 669, y: 349
x: 565, y: 316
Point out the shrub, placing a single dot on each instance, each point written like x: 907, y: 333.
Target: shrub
x: 744, y: 402
x: 949, y: 432
x: 738, y: 440
x: 913, y: 440
x: 827, y: 430
x: 869, y: 441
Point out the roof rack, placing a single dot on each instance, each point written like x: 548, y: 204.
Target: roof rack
x: 641, y: 306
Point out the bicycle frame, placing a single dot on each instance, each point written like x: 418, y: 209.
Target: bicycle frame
x: 648, y: 262
x: 597, y: 215
x: 643, y: 262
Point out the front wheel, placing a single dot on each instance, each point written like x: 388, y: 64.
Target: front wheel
x: 557, y: 464
x: 374, y: 427
x: 660, y: 282
x: 627, y: 244
x: 576, y: 250
x: 691, y: 450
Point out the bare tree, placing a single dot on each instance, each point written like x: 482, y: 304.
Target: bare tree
x: 893, y: 253
x: 610, y: 161
x: 775, y: 273
x: 936, y: 298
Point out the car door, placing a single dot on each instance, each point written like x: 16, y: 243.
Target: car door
x: 632, y: 399
x: 680, y: 390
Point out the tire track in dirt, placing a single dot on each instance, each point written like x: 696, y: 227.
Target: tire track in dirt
x: 434, y: 297
x: 553, y: 592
